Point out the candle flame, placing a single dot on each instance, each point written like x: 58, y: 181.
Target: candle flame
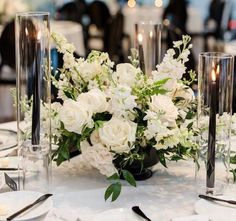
x: 159, y: 3
x: 218, y: 69
x: 213, y: 75
x: 131, y: 3
x: 26, y: 32
x: 140, y: 38
x: 39, y: 35
x: 151, y: 34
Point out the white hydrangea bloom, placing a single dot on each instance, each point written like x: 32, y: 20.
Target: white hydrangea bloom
x: 99, y: 157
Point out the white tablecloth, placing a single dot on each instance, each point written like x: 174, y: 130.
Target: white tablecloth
x: 79, y: 193
x: 73, y: 32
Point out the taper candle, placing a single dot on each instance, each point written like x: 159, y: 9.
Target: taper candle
x: 36, y: 94
x: 141, y: 53
x: 212, y: 131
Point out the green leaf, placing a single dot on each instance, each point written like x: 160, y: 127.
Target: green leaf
x: 233, y: 171
x: 99, y: 124
x: 115, y: 176
x: 64, y: 152
x: 162, y: 159
x: 161, y: 82
x: 129, y: 177
x: 233, y: 159
x: 114, y: 191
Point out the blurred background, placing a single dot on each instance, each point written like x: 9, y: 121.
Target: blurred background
x: 108, y: 25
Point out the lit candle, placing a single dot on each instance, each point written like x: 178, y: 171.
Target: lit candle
x: 141, y: 53
x: 151, y: 53
x: 36, y: 94
x: 212, y: 131
x: 157, y: 43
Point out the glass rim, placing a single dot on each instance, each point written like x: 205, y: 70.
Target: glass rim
x: 216, y: 55
x: 32, y: 13
x: 149, y: 22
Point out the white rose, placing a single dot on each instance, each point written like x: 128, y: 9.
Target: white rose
x: 118, y: 134
x: 126, y: 74
x: 164, y: 105
x: 75, y: 116
x: 186, y: 93
x: 89, y: 70
x: 99, y: 157
x: 95, y: 99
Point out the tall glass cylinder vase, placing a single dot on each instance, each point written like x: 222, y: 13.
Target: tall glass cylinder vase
x: 33, y: 100
x: 148, y: 44
x: 215, y: 86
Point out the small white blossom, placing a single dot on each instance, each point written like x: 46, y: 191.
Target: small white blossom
x: 122, y: 102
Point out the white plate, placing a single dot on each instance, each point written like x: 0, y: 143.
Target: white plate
x: 8, y: 139
x: 217, y: 211
x: 16, y: 200
x: 119, y: 214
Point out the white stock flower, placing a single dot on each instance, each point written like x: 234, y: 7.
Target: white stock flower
x: 122, y: 102
x: 118, y: 135
x: 69, y: 60
x: 126, y: 74
x: 168, y: 140
x: 170, y: 67
x: 154, y: 125
x: 75, y: 116
x: 62, y: 44
x: 164, y: 105
x: 95, y: 99
x: 99, y: 157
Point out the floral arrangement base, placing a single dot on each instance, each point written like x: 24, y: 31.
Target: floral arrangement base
x: 138, y: 175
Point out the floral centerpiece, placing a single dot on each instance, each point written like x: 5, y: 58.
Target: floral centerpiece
x: 117, y: 116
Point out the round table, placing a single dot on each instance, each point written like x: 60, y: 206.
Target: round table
x: 79, y: 193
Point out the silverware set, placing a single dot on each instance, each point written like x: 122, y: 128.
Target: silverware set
x: 39, y: 200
